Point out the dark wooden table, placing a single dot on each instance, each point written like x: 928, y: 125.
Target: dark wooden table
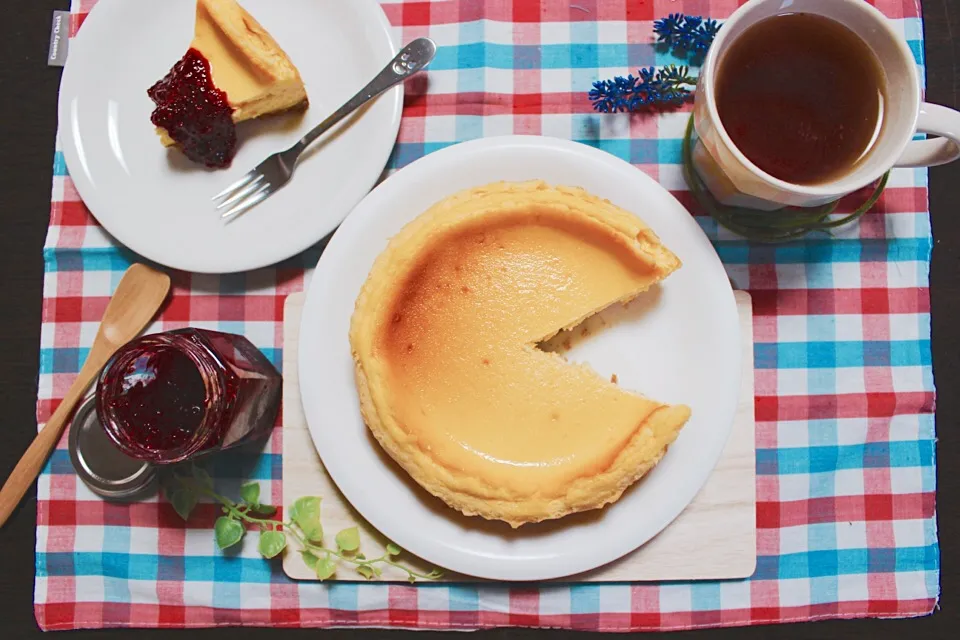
x: 28, y: 121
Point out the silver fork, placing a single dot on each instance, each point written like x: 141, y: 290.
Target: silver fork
x: 274, y: 172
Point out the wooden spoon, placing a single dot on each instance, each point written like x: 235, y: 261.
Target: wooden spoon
x: 138, y: 297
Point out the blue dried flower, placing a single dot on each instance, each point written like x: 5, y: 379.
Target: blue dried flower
x: 690, y: 33
x: 653, y: 87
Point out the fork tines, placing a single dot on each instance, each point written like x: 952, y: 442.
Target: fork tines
x: 243, y: 194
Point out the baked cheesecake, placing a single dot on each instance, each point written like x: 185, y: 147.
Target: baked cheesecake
x: 232, y: 71
x: 450, y: 378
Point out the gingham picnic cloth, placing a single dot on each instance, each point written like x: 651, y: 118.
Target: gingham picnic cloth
x: 844, y: 388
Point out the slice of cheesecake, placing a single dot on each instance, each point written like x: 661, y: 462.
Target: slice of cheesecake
x: 233, y: 71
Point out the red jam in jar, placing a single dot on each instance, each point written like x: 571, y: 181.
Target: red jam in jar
x: 173, y: 396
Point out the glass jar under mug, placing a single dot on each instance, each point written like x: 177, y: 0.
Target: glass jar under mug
x: 173, y: 396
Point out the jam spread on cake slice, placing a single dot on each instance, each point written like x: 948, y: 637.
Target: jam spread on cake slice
x: 233, y: 71
x: 194, y: 112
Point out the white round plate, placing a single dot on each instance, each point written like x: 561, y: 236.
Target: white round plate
x: 156, y: 201
x: 678, y: 344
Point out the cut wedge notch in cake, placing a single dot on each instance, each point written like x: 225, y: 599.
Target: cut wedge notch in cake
x: 233, y: 71
x: 450, y: 379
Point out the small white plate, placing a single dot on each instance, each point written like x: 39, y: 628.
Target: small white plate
x: 156, y: 201
x: 679, y: 344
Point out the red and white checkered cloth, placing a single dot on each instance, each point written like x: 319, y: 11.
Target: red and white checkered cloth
x: 844, y: 388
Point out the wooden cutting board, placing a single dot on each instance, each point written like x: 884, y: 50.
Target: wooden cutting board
x: 714, y: 538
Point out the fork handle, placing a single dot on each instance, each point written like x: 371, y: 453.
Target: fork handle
x: 411, y: 59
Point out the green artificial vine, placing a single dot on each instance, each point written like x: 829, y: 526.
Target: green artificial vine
x: 303, y: 526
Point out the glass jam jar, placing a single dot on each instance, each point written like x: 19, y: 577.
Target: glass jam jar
x: 173, y: 396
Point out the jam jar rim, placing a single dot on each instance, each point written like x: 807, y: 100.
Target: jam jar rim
x: 214, y: 381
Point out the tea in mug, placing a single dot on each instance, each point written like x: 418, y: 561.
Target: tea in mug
x: 802, y: 97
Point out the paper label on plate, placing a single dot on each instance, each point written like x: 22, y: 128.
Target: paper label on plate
x: 59, y: 39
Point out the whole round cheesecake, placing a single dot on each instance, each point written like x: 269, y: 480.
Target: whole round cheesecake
x: 451, y: 380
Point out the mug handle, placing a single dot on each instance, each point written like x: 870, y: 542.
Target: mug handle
x: 939, y: 121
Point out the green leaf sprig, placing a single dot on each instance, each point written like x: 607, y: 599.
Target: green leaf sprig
x: 304, y: 527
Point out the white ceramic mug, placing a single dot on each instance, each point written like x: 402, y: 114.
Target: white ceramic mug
x: 735, y: 180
